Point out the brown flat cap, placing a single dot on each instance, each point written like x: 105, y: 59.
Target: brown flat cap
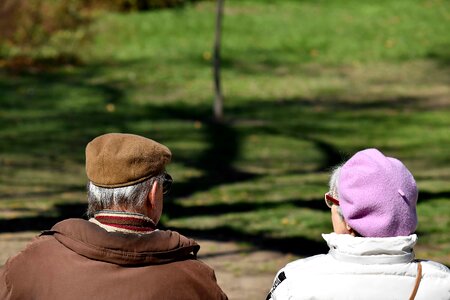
x: 120, y: 159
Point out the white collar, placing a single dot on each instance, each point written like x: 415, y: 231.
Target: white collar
x: 387, y: 250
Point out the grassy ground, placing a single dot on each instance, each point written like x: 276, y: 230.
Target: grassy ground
x: 306, y: 84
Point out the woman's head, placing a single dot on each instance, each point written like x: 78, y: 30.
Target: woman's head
x: 377, y: 195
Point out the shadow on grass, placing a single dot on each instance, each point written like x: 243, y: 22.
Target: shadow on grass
x: 32, y: 100
x: 440, y: 54
x: 425, y: 196
x: 41, y: 194
x: 40, y: 223
x: 296, y: 245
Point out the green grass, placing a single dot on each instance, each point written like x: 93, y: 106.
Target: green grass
x: 306, y: 85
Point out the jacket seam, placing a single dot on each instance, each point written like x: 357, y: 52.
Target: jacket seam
x: 117, y: 252
x: 7, y: 283
x: 8, y: 264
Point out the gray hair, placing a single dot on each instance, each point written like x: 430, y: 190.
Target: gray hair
x: 334, y: 187
x: 131, y: 198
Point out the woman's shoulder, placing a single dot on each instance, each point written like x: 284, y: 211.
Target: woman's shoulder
x: 433, y: 268
x: 308, y: 262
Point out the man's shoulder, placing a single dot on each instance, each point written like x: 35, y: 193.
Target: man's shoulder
x: 175, y: 234
x: 40, y: 247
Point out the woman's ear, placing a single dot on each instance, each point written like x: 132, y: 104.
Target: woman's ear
x: 350, y: 230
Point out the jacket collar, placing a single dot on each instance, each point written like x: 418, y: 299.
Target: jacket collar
x: 92, y: 241
x: 363, y: 250
x: 120, y: 221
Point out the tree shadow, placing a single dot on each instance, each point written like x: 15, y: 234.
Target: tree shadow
x: 215, y: 161
x: 75, y: 127
x: 43, y: 222
x: 295, y: 245
x: 425, y: 196
x: 440, y: 54
x: 177, y: 211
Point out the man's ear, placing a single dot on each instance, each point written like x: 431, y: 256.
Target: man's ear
x: 152, y: 195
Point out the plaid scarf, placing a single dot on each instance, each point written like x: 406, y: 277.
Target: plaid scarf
x: 123, y: 221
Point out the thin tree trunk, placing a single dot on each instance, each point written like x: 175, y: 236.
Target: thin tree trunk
x: 218, y: 98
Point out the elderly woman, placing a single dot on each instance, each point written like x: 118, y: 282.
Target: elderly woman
x: 372, y: 199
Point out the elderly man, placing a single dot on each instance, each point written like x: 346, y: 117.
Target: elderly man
x: 118, y: 253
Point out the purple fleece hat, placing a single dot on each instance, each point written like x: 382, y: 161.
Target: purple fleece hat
x: 378, y: 195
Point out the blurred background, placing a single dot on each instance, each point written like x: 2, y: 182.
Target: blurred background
x: 305, y: 84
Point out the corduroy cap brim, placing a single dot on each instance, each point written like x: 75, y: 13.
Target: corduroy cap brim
x: 121, y: 159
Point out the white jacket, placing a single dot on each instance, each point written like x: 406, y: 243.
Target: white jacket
x: 362, y: 268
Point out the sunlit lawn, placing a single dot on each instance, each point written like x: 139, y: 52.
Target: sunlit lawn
x: 306, y: 85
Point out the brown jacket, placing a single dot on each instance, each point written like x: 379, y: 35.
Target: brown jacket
x: 77, y: 259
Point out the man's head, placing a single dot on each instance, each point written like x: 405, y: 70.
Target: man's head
x: 377, y: 195
x: 126, y: 172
